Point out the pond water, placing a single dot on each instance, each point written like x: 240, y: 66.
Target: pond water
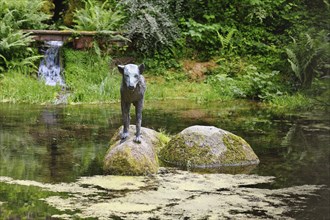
x: 51, y: 165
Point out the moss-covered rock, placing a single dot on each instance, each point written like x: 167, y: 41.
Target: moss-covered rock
x: 207, y: 146
x: 130, y: 158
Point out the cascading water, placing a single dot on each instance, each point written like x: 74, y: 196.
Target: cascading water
x: 50, y: 68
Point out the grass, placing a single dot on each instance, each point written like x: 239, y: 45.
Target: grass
x: 318, y: 97
x: 19, y: 88
x: 160, y: 89
x: 286, y: 103
x: 91, y: 79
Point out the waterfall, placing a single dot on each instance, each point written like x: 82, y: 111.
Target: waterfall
x: 50, y: 67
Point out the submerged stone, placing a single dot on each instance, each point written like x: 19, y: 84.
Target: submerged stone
x: 125, y: 157
x: 208, y: 146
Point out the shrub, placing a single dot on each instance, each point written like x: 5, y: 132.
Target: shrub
x: 248, y: 82
x: 212, y: 38
x: 149, y: 25
x: 260, y: 86
x: 225, y: 86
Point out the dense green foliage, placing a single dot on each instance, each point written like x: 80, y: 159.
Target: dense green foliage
x: 309, y: 57
x: 149, y: 25
x: 24, y: 14
x: 253, y: 84
x: 259, y: 50
x: 15, y: 50
x: 97, y: 17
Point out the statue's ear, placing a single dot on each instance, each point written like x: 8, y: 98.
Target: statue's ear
x: 121, y: 68
x: 141, y: 68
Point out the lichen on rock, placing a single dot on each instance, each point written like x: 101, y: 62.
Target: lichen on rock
x: 207, y: 146
x: 126, y: 157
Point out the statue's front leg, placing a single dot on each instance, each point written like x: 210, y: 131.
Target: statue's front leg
x: 125, y: 109
x: 138, y: 113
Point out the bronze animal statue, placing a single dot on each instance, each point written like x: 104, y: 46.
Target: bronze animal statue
x: 132, y: 90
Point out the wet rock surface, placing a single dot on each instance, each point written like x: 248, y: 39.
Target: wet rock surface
x: 208, y: 146
x: 125, y: 157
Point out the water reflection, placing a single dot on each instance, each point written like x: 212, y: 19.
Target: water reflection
x: 51, y: 144
x: 51, y: 136
x: 61, y: 144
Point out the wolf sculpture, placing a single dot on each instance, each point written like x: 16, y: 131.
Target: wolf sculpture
x: 132, y: 90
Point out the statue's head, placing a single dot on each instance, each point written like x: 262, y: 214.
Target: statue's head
x: 131, y: 74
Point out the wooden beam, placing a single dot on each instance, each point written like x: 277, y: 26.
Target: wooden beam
x: 81, y: 39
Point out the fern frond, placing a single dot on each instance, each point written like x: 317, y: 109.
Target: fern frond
x: 230, y: 35
x: 226, y: 41
x: 96, y: 17
x: 295, y: 66
x: 310, y: 41
x: 222, y: 39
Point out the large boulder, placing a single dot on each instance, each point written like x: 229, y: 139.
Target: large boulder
x: 126, y: 157
x: 207, y: 146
